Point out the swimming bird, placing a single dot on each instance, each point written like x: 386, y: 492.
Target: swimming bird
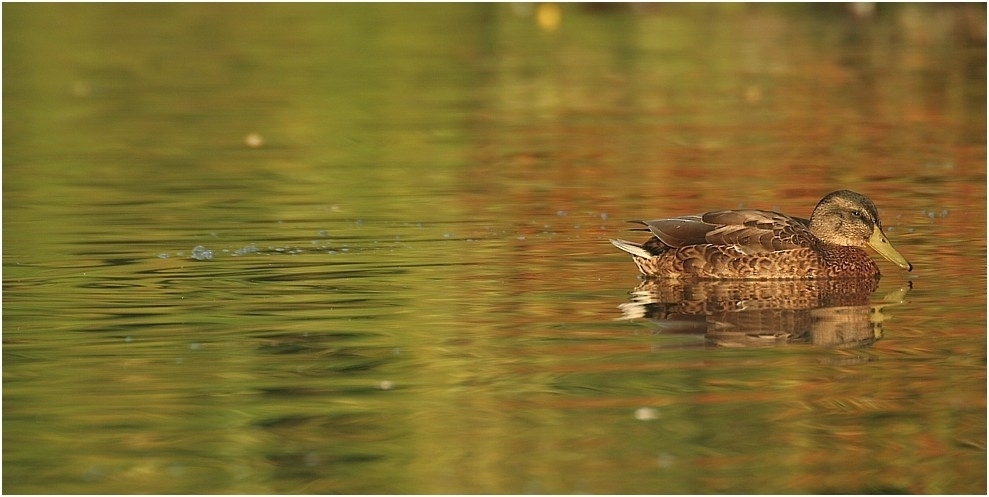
x: 759, y: 244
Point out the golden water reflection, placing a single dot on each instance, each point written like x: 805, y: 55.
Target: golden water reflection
x: 836, y: 313
x: 412, y: 289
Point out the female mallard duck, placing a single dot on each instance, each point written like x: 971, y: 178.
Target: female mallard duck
x: 757, y: 244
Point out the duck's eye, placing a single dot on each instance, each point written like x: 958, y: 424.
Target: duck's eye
x: 857, y: 213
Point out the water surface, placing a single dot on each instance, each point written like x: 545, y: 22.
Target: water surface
x: 410, y: 287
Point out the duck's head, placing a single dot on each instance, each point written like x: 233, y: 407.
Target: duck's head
x: 850, y: 219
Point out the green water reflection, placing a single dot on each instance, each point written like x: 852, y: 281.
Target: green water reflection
x: 411, y: 288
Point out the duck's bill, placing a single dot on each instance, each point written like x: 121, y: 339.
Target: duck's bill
x: 879, y: 243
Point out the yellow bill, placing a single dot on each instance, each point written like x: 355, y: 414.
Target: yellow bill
x: 879, y: 243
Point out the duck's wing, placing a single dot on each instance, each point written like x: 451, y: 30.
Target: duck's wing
x: 680, y: 231
x: 749, y: 230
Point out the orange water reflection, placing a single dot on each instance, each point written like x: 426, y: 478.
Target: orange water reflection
x: 761, y: 313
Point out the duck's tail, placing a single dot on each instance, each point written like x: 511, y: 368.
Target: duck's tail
x: 632, y: 248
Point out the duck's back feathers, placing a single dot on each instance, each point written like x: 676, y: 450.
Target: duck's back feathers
x: 751, y: 231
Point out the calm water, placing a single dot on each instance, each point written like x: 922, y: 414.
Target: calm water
x: 404, y: 283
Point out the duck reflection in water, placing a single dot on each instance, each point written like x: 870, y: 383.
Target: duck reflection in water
x: 738, y: 313
x: 754, y: 277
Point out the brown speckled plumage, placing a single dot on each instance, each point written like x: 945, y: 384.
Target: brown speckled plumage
x: 757, y: 244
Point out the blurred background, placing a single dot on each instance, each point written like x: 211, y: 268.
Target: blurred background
x: 362, y: 248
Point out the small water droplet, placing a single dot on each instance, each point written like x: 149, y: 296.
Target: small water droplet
x: 646, y: 414
x: 201, y: 253
x: 254, y: 140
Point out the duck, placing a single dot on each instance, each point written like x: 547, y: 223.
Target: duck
x: 766, y: 245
